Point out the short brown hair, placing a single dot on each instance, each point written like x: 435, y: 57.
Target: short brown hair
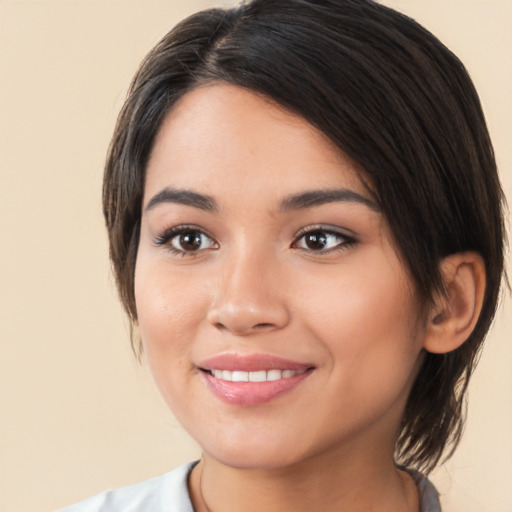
x: 392, y: 98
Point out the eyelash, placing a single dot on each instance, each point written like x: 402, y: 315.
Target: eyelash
x: 324, y: 234
x: 344, y: 241
x: 168, y: 236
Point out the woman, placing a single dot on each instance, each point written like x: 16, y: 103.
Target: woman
x: 306, y: 230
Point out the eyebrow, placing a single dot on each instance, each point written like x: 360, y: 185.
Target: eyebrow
x: 186, y: 197
x: 319, y: 197
x: 292, y: 202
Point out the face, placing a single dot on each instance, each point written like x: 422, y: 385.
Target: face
x: 276, y: 316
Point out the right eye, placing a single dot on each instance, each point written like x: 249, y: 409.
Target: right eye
x: 323, y: 240
x: 186, y: 240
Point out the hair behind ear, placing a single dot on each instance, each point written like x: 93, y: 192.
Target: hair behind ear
x: 434, y: 415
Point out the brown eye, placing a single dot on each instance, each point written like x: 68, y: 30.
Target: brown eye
x: 191, y: 240
x: 320, y: 240
x: 316, y: 241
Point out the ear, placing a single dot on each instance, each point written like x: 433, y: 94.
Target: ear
x: 455, y: 312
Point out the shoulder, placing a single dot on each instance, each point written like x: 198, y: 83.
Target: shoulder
x: 166, y: 493
x: 429, y: 497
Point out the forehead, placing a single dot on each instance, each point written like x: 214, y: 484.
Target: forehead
x: 222, y: 138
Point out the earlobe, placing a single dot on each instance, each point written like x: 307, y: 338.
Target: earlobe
x: 456, y: 312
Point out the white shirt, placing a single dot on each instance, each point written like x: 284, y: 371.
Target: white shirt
x: 169, y: 493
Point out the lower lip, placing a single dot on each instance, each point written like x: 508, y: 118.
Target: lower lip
x: 252, y: 393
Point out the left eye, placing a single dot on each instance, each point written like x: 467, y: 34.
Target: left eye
x: 191, y: 240
x: 321, y: 240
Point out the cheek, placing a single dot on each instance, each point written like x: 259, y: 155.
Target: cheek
x: 168, y: 312
x: 369, y: 324
x: 166, y: 303
x: 353, y: 302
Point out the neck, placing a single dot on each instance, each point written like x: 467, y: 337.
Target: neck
x: 319, y: 483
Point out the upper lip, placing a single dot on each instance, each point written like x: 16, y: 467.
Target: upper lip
x: 251, y: 363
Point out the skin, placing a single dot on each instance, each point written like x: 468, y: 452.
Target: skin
x: 254, y: 286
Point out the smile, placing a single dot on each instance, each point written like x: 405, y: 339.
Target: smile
x: 256, y: 376
x: 252, y: 380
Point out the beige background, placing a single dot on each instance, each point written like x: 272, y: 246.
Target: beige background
x: 77, y: 413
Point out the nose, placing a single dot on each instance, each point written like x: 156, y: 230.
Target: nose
x: 250, y: 297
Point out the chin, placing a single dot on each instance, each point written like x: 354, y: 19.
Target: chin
x: 263, y: 454
x: 254, y: 460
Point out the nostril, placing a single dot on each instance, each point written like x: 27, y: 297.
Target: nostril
x: 245, y: 328
x: 219, y: 325
x: 263, y: 326
x: 247, y: 318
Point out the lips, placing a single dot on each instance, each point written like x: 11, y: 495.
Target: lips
x: 257, y: 376
x: 252, y: 380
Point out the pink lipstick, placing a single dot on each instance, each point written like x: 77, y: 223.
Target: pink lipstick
x: 252, y: 380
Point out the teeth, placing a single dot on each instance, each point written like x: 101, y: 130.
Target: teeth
x: 274, y: 375
x: 240, y: 376
x: 258, y: 376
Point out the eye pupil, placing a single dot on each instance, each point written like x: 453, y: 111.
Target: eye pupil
x: 190, y: 241
x: 316, y: 240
